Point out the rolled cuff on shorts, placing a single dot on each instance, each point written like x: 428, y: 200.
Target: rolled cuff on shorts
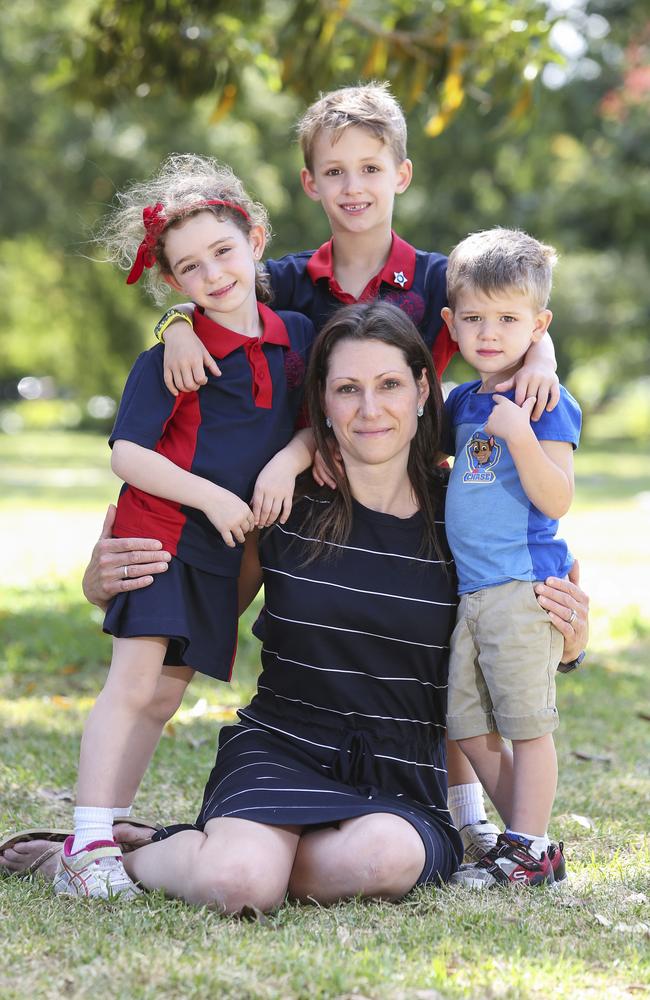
x: 512, y: 727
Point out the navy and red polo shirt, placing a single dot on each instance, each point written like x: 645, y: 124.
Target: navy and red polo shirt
x: 225, y: 432
x: 414, y: 280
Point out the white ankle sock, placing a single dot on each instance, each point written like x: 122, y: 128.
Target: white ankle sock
x: 466, y: 804
x: 121, y: 811
x: 91, y: 823
x: 536, y: 845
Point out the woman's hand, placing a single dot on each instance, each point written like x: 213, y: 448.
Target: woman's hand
x: 186, y: 359
x: 568, y: 608
x: 121, y: 564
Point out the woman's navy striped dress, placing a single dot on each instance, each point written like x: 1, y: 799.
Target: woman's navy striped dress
x: 349, y: 715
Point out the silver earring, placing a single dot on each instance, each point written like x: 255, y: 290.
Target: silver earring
x: 328, y: 422
x: 420, y: 411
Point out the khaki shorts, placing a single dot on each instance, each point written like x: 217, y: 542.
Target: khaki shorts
x: 504, y: 654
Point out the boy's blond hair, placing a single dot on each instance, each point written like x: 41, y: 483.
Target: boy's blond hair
x: 496, y: 260
x: 370, y: 106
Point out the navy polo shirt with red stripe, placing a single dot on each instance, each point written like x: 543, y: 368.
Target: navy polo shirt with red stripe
x: 225, y: 432
x: 411, y: 279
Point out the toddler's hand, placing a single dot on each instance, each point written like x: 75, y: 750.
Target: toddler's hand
x: 186, y: 359
x: 509, y: 421
x: 532, y: 380
x: 273, y: 493
x: 231, y: 516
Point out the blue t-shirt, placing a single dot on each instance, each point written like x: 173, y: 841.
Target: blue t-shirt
x: 413, y: 280
x: 225, y: 432
x: 495, y: 533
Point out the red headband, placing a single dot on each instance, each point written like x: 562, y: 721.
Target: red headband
x: 155, y: 222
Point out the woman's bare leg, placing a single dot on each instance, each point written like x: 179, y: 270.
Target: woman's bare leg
x: 380, y: 855
x: 233, y: 864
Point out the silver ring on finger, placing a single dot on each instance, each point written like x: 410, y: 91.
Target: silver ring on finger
x: 125, y: 573
x: 573, y: 616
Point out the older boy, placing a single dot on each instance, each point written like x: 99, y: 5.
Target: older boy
x: 353, y: 142
x: 510, y: 483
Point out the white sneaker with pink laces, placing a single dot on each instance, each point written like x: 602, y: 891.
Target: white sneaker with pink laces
x: 97, y: 871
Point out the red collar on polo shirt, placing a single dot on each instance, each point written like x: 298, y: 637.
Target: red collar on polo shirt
x: 398, y: 271
x: 220, y: 342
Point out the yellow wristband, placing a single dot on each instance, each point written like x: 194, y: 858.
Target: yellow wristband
x: 165, y: 321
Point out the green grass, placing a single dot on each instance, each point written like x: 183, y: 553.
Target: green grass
x: 589, y: 940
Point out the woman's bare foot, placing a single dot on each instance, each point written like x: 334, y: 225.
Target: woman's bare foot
x: 41, y: 856
x: 37, y: 856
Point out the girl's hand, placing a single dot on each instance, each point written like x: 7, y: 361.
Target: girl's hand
x: 508, y: 420
x: 533, y: 380
x: 560, y: 599
x: 186, y: 359
x: 321, y: 473
x: 273, y: 493
x: 139, y: 558
x: 232, y: 518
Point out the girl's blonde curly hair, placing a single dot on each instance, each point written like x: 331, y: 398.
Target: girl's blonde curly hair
x: 182, y: 183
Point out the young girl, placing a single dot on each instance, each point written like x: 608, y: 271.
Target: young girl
x: 190, y: 465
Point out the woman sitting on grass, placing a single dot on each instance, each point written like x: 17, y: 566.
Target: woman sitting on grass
x: 333, y: 782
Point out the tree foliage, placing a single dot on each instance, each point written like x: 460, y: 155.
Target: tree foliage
x: 435, y: 53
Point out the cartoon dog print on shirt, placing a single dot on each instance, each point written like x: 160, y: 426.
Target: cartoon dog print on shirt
x: 482, y: 453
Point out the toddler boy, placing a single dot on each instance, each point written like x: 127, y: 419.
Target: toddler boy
x: 511, y: 481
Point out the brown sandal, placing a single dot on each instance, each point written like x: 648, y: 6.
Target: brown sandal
x: 56, y: 837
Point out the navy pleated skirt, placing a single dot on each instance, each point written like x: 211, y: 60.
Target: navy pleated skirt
x: 195, y: 609
x: 265, y: 778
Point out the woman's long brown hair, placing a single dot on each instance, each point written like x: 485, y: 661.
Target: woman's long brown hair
x: 332, y: 522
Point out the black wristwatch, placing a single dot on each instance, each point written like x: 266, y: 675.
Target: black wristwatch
x: 566, y: 668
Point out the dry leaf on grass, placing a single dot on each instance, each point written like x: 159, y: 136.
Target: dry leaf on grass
x: 597, y: 758
x: 57, y: 794
x: 582, y: 821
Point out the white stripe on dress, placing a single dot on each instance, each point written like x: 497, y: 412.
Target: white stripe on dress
x: 370, y: 552
x: 357, y: 673
x: 358, y: 590
x: 356, y: 631
x: 363, y: 715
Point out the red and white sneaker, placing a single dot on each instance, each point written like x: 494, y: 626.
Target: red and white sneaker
x: 556, y: 857
x: 508, y: 863
x: 97, y: 871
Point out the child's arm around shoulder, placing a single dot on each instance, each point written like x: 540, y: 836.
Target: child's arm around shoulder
x: 537, y: 377
x: 186, y: 358
x: 545, y: 467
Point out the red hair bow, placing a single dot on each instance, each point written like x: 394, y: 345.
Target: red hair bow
x: 155, y: 221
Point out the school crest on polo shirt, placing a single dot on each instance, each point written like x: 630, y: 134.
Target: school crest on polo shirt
x: 409, y: 302
x: 483, y: 453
